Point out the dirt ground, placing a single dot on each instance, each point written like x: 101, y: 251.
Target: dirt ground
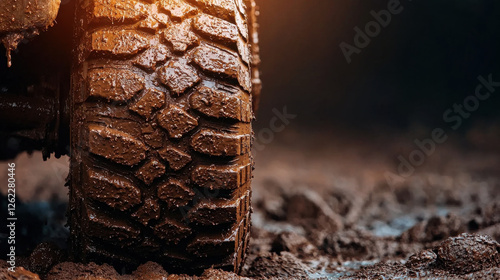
x: 323, y: 209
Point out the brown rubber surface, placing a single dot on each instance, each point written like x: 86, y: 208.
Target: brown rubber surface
x: 161, y: 132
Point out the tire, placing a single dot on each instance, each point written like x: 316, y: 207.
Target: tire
x: 161, y: 111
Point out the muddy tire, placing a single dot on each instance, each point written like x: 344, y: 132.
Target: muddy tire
x: 161, y: 132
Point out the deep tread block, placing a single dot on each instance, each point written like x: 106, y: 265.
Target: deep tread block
x: 220, y: 8
x: 221, y: 104
x: 152, y: 100
x: 176, y: 158
x: 150, y: 58
x: 100, y: 225
x: 222, y: 62
x: 155, y: 138
x: 244, y: 51
x: 113, y: 11
x: 163, y: 19
x: 216, y: 60
x: 242, y: 7
x: 150, y: 171
x: 214, y: 244
x: 242, y: 25
x: 178, y: 76
x: 180, y: 36
x: 171, y: 230
x: 178, y: 9
x: 216, y: 28
x: 175, y: 193
x: 215, y: 143
x: 176, y: 121
x: 124, y: 42
x: 244, y: 78
x: 125, y: 149
x: 113, y: 190
x: 150, y: 210
x: 150, y: 24
x: 114, y: 84
x: 221, y: 177
x: 212, y: 212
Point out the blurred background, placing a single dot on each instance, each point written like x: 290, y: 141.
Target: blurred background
x: 427, y: 58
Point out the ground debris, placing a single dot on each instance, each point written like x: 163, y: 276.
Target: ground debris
x: 20, y: 273
x: 277, y: 266
x: 468, y: 253
x: 435, y: 229
x: 91, y: 271
x: 295, y: 244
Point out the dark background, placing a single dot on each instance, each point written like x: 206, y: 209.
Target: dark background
x: 424, y: 61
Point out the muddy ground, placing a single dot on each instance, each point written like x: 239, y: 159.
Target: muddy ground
x: 323, y: 209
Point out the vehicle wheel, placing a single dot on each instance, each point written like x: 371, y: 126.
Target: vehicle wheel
x: 161, y: 132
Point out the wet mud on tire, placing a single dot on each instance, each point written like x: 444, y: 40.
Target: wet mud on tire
x: 161, y: 132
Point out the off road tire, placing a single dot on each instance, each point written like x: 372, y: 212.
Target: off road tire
x: 161, y: 111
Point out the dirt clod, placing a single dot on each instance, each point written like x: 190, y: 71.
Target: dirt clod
x: 307, y: 208
x: 219, y: 274
x: 44, y: 257
x: 20, y: 273
x: 421, y: 260
x: 434, y: 229
x: 295, y: 244
x: 150, y: 270
x: 282, y: 266
x: 349, y: 245
x: 467, y: 253
x: 77, y: 271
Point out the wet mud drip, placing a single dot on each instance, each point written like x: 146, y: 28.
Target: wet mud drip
x: 10, y: 42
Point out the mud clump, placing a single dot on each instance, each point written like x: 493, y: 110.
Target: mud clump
x: 468, y: 253
x: 309, y: 208
x: 91, y: 271
x: 20, y: 273
x: 219, y: 274
x: 295, y: 244
x: 279, y: 266
x: 434, y: 229
x: 350, y: 245
x: 43, y: 258
x: 421, y: 260
x: 467, y: 256
x: 150, y: 270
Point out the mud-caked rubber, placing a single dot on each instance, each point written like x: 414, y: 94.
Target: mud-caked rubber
x: 161, y: 132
